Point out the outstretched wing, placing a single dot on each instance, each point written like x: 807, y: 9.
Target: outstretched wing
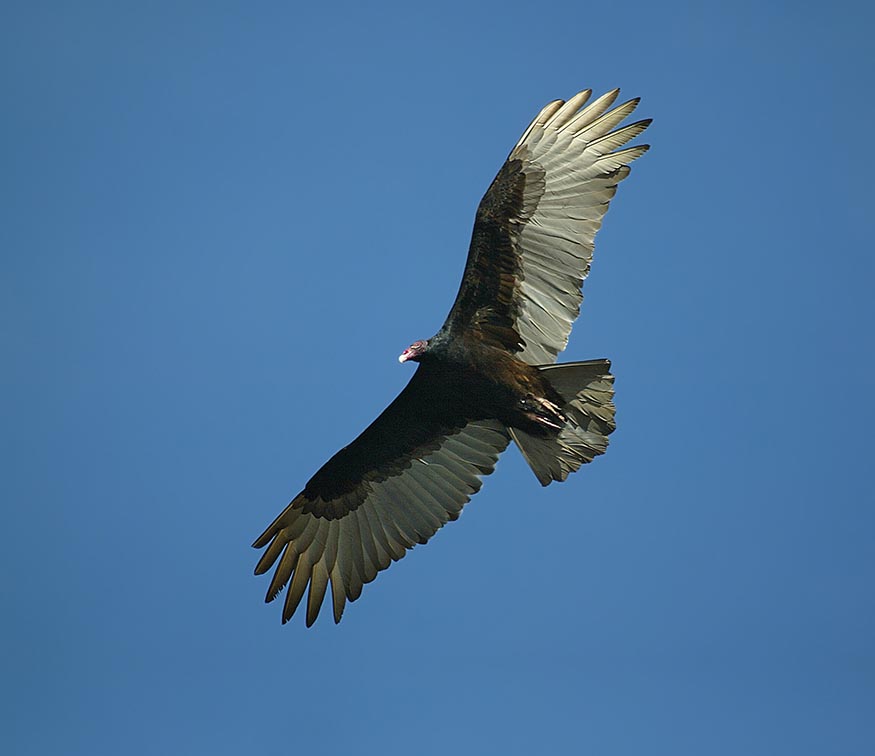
x: 533, y: 236
x: 404, y: 477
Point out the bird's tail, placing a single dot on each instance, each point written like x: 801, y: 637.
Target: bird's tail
x: 587, y: 389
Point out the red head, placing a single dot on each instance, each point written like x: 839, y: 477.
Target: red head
x: 414, y: 351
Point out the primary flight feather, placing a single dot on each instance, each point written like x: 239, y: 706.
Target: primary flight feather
x: 485, y: 378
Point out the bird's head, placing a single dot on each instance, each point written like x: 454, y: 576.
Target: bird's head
x: 414, y: 351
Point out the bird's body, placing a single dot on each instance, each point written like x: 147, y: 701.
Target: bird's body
x: 484, y: 379
x: 492, y: 382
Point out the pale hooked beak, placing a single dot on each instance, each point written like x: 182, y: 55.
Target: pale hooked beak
x: 413, y: 352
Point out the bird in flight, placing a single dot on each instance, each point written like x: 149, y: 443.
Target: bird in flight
x: 485, y: 378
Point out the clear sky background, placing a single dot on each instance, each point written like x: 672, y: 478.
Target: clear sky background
x: 221, y: 223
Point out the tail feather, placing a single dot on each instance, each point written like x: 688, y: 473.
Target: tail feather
x: 587, y: 389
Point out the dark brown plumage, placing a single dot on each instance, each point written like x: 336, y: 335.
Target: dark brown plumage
x: 485, y: 378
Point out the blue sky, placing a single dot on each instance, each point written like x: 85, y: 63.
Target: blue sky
x: 222, y: 223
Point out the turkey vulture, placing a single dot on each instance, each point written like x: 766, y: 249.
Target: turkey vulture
x: 484, y: 378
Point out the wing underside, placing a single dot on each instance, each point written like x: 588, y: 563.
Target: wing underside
x: 535, y: 229
x: 343, y: 534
